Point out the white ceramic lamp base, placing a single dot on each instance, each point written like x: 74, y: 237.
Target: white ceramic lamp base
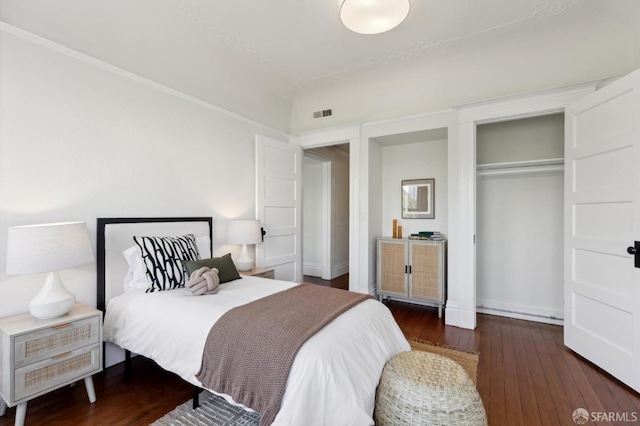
x: 244, y: 261
x: 53, y: 300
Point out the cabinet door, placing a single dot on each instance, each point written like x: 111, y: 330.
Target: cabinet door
x: 426, y: 271
x: 392, y: 261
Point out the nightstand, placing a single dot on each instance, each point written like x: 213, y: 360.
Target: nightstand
x: 38, y: 356
x: 260, y: 272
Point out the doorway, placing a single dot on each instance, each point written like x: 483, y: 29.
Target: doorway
x: 325, y: 212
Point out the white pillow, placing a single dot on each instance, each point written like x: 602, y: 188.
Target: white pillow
x: 204, y: 246
x: 136, y: 277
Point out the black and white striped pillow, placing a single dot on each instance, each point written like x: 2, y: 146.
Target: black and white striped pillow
x: 164, y: 259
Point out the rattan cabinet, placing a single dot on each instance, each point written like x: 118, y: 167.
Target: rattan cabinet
x: 412, y: 271
x: 38, y: 356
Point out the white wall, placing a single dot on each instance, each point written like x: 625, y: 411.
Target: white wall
x: 312, y: 207
x: 535, y: 138
x: 519, y: 246
x: 341, y: 212
x: 81, y: 140
x: 421, y: 160
x: 372, y: 214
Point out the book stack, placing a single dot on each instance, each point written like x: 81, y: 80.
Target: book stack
x: 427, y: 235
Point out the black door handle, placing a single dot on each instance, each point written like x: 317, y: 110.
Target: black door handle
x: 635, y: 251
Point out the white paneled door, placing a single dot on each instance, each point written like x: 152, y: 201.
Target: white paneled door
x: 602, y: 223
x: 279, y: 207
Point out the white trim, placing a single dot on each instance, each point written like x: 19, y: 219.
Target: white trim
x: 462, y: 318
x: 461, y: 266
x: 355, y: 185
x: 413, y: 123
x: 530, y: 104
x: 327, y: 220
x: 326, y: 136
x: 462, y: 178
x: 28, y: 36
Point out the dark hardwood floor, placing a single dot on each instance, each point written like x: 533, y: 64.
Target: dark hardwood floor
x: 525, y: 377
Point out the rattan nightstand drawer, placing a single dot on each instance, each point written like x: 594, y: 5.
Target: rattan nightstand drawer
x: 51, y: 372
x: 42, y: 344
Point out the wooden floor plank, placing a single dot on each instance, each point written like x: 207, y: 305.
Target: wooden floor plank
x: 528, y: 403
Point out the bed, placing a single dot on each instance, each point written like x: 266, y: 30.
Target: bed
x: 334, y: 375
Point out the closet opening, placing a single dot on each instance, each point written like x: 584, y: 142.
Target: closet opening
x: 519, y: 218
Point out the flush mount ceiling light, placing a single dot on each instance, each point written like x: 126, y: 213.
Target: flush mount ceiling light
x: 373, y: 16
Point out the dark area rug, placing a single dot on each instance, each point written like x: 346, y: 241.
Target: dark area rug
x: 213, y: 411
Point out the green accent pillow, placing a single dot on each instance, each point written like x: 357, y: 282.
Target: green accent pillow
x: 226, y: 268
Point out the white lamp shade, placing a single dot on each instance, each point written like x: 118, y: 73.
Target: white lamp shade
x: 373, y: 16
x: 244, y: 232
x: 50, y: 247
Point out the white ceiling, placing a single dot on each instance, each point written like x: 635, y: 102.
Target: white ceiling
x: 192, y: 44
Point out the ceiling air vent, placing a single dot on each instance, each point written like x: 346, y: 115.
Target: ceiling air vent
x: 325, y: 113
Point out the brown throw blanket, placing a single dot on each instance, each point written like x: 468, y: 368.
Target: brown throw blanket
x: 250, y: 349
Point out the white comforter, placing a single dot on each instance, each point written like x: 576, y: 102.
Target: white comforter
x: 334, y: 375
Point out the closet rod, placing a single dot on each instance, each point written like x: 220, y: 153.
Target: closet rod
x: 534, y: 167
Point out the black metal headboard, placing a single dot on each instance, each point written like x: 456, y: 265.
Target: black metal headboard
x: 102, y: 223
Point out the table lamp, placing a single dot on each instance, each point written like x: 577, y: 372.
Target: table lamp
x: 48, y: 248
x: 244, y: 232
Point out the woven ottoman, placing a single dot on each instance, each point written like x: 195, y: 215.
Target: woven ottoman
x: 421, y: 388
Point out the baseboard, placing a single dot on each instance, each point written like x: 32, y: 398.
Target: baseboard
x: 459, y: 317
x: 518, y: 311
x: 340, y: 270
x: 315, y: 270
x: 312, y: 269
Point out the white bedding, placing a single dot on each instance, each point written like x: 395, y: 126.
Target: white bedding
x: 332, y: 380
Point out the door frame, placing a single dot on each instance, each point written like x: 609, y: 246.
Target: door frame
x: 461, y: 304
x: 336, y: 136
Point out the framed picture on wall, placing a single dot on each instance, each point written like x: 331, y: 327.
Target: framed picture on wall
x: 418, y: 199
